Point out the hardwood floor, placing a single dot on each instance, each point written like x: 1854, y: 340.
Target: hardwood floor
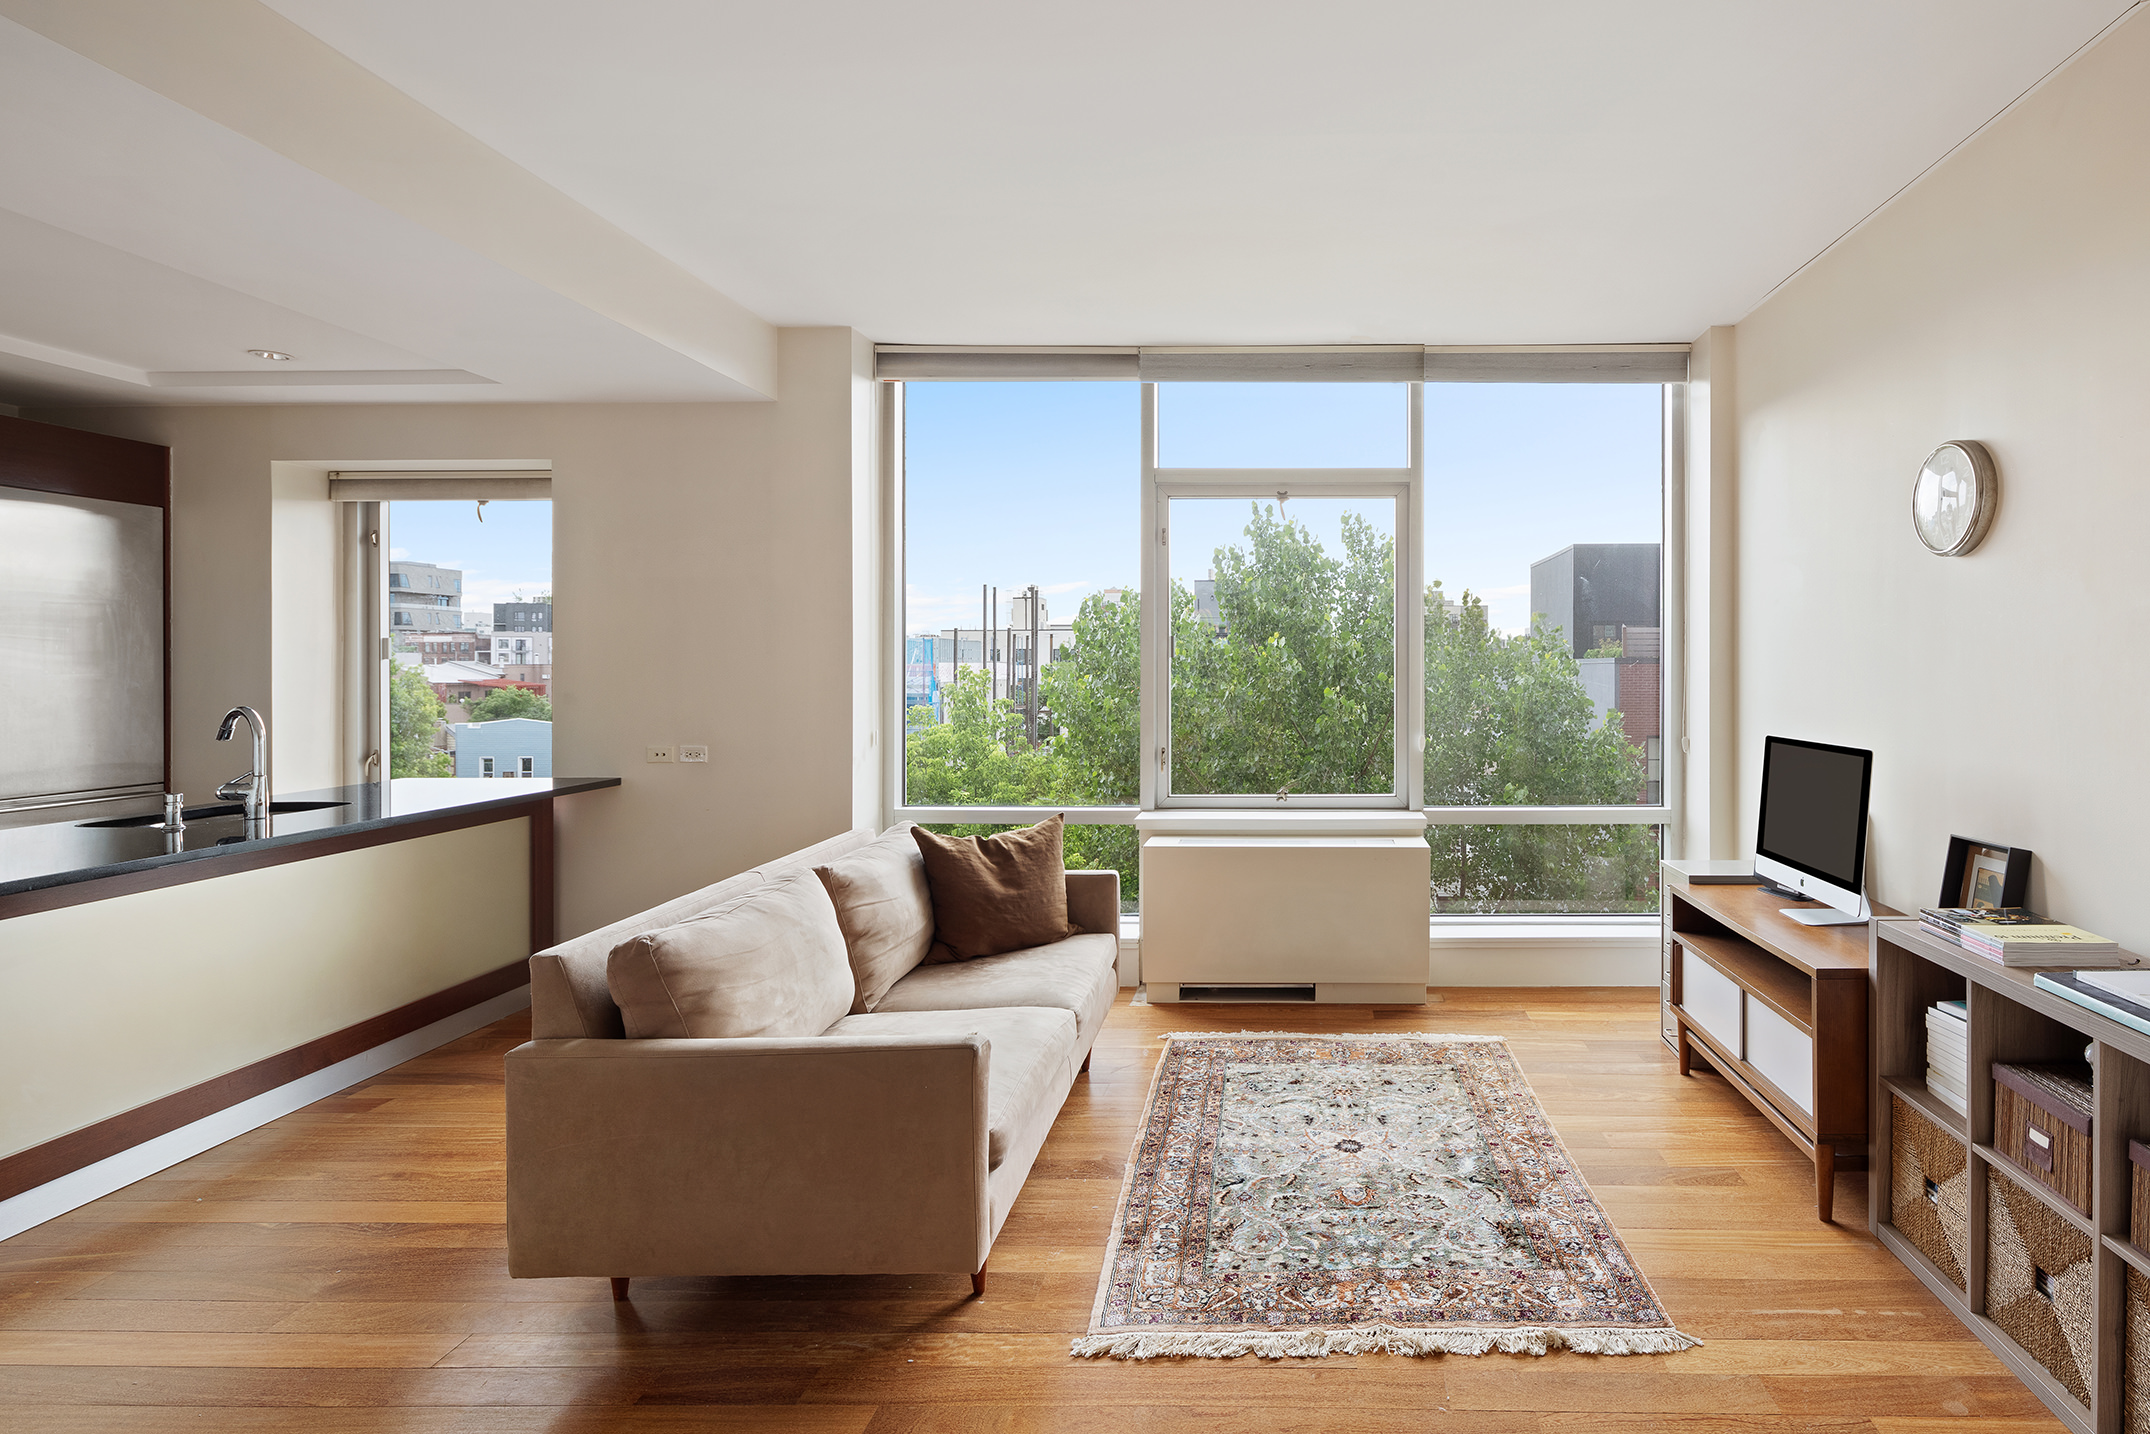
x: 343, y: 1270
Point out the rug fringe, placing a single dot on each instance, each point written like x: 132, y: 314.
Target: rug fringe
x: 1380, y: 1339
x: 1334, y: 1036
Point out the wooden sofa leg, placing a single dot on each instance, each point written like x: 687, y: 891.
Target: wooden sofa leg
x: 977, y: 1284
x: 619, y: 1287
x: 1086, y: 1062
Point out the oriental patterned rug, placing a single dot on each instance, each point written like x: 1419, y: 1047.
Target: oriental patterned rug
x: 1294, y: 1195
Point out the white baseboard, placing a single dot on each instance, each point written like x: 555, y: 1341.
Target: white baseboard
x: 92, y: 1182
x: 1568, y: 961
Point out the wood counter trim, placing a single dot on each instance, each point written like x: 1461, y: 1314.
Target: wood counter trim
x: 77, y: 893
x: 28, y: 1169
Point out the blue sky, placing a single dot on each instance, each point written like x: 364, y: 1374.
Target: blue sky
x: 510, y: 552
x: 1015, y: 483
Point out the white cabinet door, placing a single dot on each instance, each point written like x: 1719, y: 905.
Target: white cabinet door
x: 1782, y: 1052
x: 1711, y: 1001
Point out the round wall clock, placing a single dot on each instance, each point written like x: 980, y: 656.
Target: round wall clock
x: 1953, y: 500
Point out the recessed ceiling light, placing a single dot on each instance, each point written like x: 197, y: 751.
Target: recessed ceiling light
x: 270, y: 354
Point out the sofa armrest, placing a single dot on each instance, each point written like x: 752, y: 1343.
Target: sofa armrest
x: 821, y: 1155
x: 1094, y: 901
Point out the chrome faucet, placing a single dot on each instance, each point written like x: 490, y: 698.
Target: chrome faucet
x: 253, y: 788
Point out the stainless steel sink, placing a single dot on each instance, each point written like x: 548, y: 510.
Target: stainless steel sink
x: 222, y: 809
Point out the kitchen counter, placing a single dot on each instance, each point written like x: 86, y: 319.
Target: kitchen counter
x: 37, y: 859
x: 148, y: 983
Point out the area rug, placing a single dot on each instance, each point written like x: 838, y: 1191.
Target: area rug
x: 1296, y: 1195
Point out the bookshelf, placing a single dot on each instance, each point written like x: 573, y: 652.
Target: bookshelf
x: 2010, y: 1019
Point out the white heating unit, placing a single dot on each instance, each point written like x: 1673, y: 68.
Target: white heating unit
x: 1285, y: 917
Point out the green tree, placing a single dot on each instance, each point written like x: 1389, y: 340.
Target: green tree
x: 1509, y: 724
x: 505, y: 702
x: 1292, y: 689
x: 414, y: 718
x: 1092, y: 694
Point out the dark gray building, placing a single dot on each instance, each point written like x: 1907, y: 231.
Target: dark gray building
x: 1592, y: 590
x: 522, y: 617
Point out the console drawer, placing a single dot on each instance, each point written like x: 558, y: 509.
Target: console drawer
x: 1712, y: 1001
x: 1781, y: 1052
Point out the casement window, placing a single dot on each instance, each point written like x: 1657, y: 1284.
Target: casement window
x: 1297, y: 579
x: 491, y: 534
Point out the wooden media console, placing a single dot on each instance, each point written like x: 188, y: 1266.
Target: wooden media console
x: 1778, y: 1009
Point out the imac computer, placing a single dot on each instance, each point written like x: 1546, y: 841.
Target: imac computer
x: 1811, y: 841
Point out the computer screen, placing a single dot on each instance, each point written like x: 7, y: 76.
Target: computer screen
x: 1814, y: 809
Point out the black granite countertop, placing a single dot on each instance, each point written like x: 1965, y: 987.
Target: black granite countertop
x: 62, y: 853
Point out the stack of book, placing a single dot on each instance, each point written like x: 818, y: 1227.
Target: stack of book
x: 2019, y: 936
x: 1948, y: 1055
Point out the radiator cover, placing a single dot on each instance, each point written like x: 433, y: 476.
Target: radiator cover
x: 1347, y: 914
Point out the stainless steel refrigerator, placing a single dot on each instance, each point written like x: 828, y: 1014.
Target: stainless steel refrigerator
x: 81, y: 655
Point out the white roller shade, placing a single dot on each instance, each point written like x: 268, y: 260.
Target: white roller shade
x: 897, y: 361
x: 1340, y: 363
x: 1655, y: 363
x: 1358, y: 363
x: 355, y: 487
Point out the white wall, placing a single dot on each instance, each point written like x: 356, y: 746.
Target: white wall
x: 703, y: 561
x: 306, y: 670
x: 2005, y: 298
x: 1710, y: 825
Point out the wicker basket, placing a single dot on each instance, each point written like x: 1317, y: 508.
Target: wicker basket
x: 1929, y: 1189
x: 2135, y: 1366
x: 2039, y: 1270
x: 2041, y: 1121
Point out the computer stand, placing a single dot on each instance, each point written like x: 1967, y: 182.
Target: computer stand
x: 1829, y: 915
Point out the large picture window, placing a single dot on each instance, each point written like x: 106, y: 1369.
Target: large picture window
x: 1021, y: 609
x: 1125, y: 593
x: 1544, y: 640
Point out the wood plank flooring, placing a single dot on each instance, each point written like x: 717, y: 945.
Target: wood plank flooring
x: 343, y: 1270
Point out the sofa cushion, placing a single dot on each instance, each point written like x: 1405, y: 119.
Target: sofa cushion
x: 771, y: 963
x: 1080, y: 975
x: 997, y: 893
x: 1027, y: 1072
x: 568, y: 996
x: 884, y: 909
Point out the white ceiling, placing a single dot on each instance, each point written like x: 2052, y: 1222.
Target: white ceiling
x: 1257, y: 172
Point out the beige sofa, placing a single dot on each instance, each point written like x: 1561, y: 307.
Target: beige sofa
x: 893, y: 1143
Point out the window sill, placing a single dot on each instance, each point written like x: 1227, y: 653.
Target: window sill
x: 1302, y: 822
x: 1543, y: 930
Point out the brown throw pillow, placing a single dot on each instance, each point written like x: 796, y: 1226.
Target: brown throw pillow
x: 885, y: 910
x: 771, y: 963
x: 997, y: 893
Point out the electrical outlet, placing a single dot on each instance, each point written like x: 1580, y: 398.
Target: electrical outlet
x: 694, y: 754
x: 659, y: 754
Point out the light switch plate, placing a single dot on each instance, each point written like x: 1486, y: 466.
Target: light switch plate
x: 694, y: 754
x: 659, y: 754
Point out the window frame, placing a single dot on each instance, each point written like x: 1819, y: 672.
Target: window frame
x: 371, y: 619
x: 889, y: 397
x: 1160, y: 484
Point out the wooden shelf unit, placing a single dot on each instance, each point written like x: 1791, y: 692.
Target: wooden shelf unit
x: 1777, y: 1008
x: 2010, y: 1020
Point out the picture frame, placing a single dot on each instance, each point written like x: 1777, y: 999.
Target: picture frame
x: 1985, y: 874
